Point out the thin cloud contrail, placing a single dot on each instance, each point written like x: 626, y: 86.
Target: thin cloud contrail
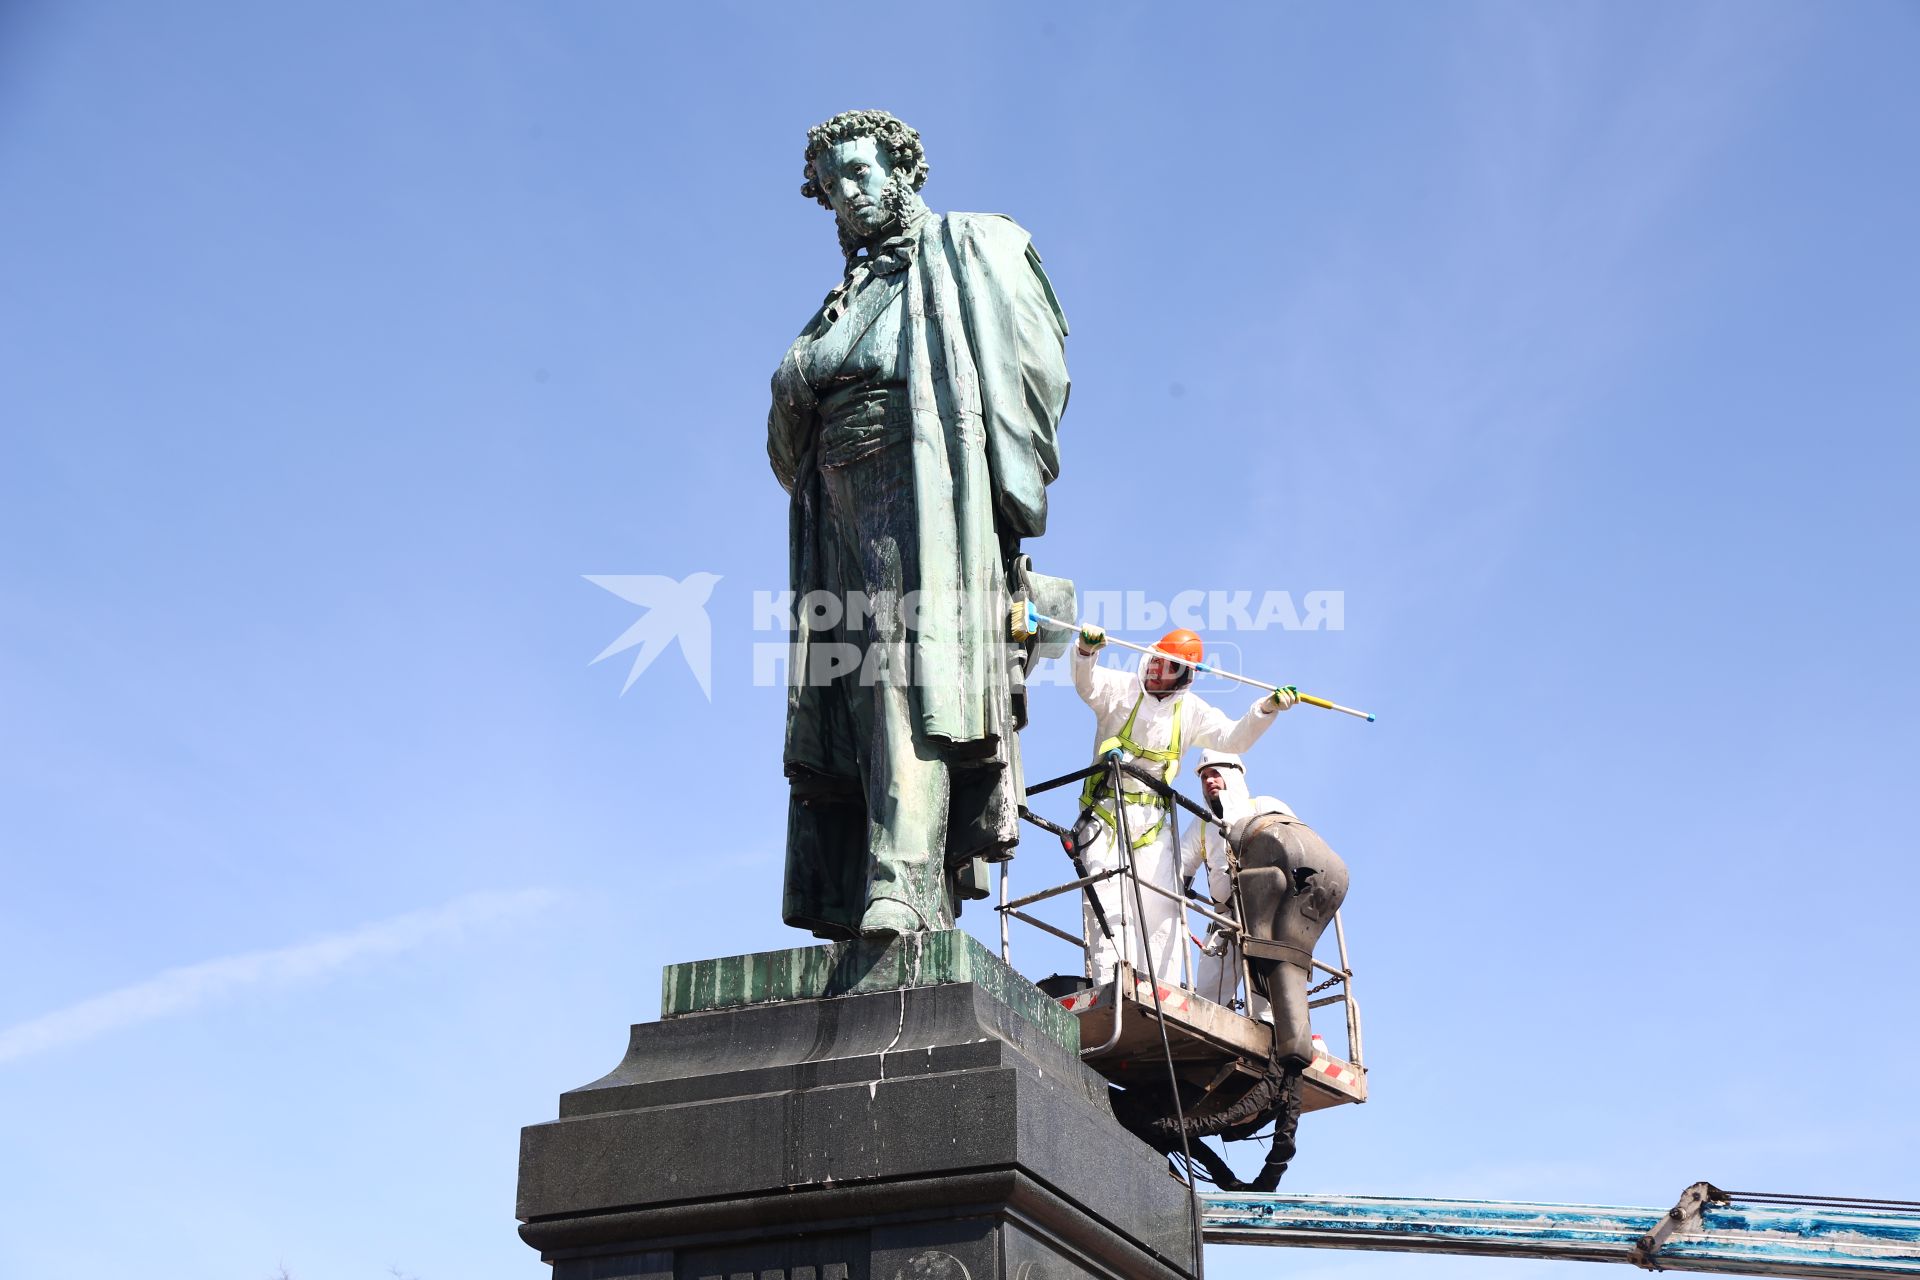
x: 176, y: 991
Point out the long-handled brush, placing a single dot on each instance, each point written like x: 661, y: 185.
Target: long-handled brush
x: 1026, y: 622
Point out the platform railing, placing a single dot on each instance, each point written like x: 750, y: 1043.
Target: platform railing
x: 1221, y: 915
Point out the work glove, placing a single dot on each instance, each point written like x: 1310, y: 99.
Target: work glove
x: 1216, y: 943
x: 1092, y: 637
x: 1283, y: 697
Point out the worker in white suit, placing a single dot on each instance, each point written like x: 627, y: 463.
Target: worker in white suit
x: 1149, y: 716
x: 1219, y: 974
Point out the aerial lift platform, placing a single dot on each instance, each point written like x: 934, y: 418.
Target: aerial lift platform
x: 1206, y: 1039
x: 1138, y: 1031
x: 1172, y: 1054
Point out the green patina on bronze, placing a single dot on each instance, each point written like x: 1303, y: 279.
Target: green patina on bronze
x: 861, y: 967
x: 914, y: 425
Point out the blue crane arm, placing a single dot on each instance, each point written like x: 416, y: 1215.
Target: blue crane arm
x: 1709, y: 1230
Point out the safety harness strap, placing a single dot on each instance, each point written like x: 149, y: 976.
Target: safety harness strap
x: 1094, y: 794
x: 1270, y: 949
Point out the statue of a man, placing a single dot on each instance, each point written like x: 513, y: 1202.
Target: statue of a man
x: 914, y: 425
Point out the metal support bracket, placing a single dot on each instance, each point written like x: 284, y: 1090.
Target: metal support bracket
x: 1679, y: 1220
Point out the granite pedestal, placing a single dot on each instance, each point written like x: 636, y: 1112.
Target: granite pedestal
x: 915, y: 1111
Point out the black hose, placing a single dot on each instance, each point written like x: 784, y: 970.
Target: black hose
x: 1071, y: 843
x: 1159, y: 786
x: 1065, y: 778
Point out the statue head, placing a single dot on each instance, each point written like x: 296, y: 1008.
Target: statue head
x: 866, y: 166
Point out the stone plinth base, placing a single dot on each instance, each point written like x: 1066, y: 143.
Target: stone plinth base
x: 775, y: 1127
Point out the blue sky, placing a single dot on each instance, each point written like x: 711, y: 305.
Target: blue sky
x: 1576, y: 344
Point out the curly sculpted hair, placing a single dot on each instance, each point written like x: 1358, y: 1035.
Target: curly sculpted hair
x: 896, y: 137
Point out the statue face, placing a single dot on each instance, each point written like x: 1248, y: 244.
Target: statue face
x: 853, y: 174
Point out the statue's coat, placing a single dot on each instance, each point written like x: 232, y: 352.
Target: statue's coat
x: 984, y: 344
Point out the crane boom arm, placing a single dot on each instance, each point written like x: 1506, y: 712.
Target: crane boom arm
x: 1708, y: 1230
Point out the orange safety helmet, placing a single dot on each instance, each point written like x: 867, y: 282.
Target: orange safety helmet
x: 1182, y: 644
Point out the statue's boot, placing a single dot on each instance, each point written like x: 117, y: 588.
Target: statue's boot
x: 886, y: 917
x: 907, y: 891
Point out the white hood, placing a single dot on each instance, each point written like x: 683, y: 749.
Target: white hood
x: 1234, y: 802
x: 1140, y: 678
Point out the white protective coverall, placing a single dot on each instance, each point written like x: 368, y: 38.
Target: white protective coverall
x: 1219, y: 978
x: 1203, y: 846
x: 1123, y: 707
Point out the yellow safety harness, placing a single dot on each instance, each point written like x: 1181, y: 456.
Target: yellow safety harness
x: 1095, y: 788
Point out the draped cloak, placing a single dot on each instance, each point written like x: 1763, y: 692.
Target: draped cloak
x: 983, y: 347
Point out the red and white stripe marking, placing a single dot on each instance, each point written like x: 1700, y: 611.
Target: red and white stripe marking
x: 1173, y: 999
x: 1327, y: 1067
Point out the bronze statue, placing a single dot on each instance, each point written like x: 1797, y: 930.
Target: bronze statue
x: 914, y: 425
